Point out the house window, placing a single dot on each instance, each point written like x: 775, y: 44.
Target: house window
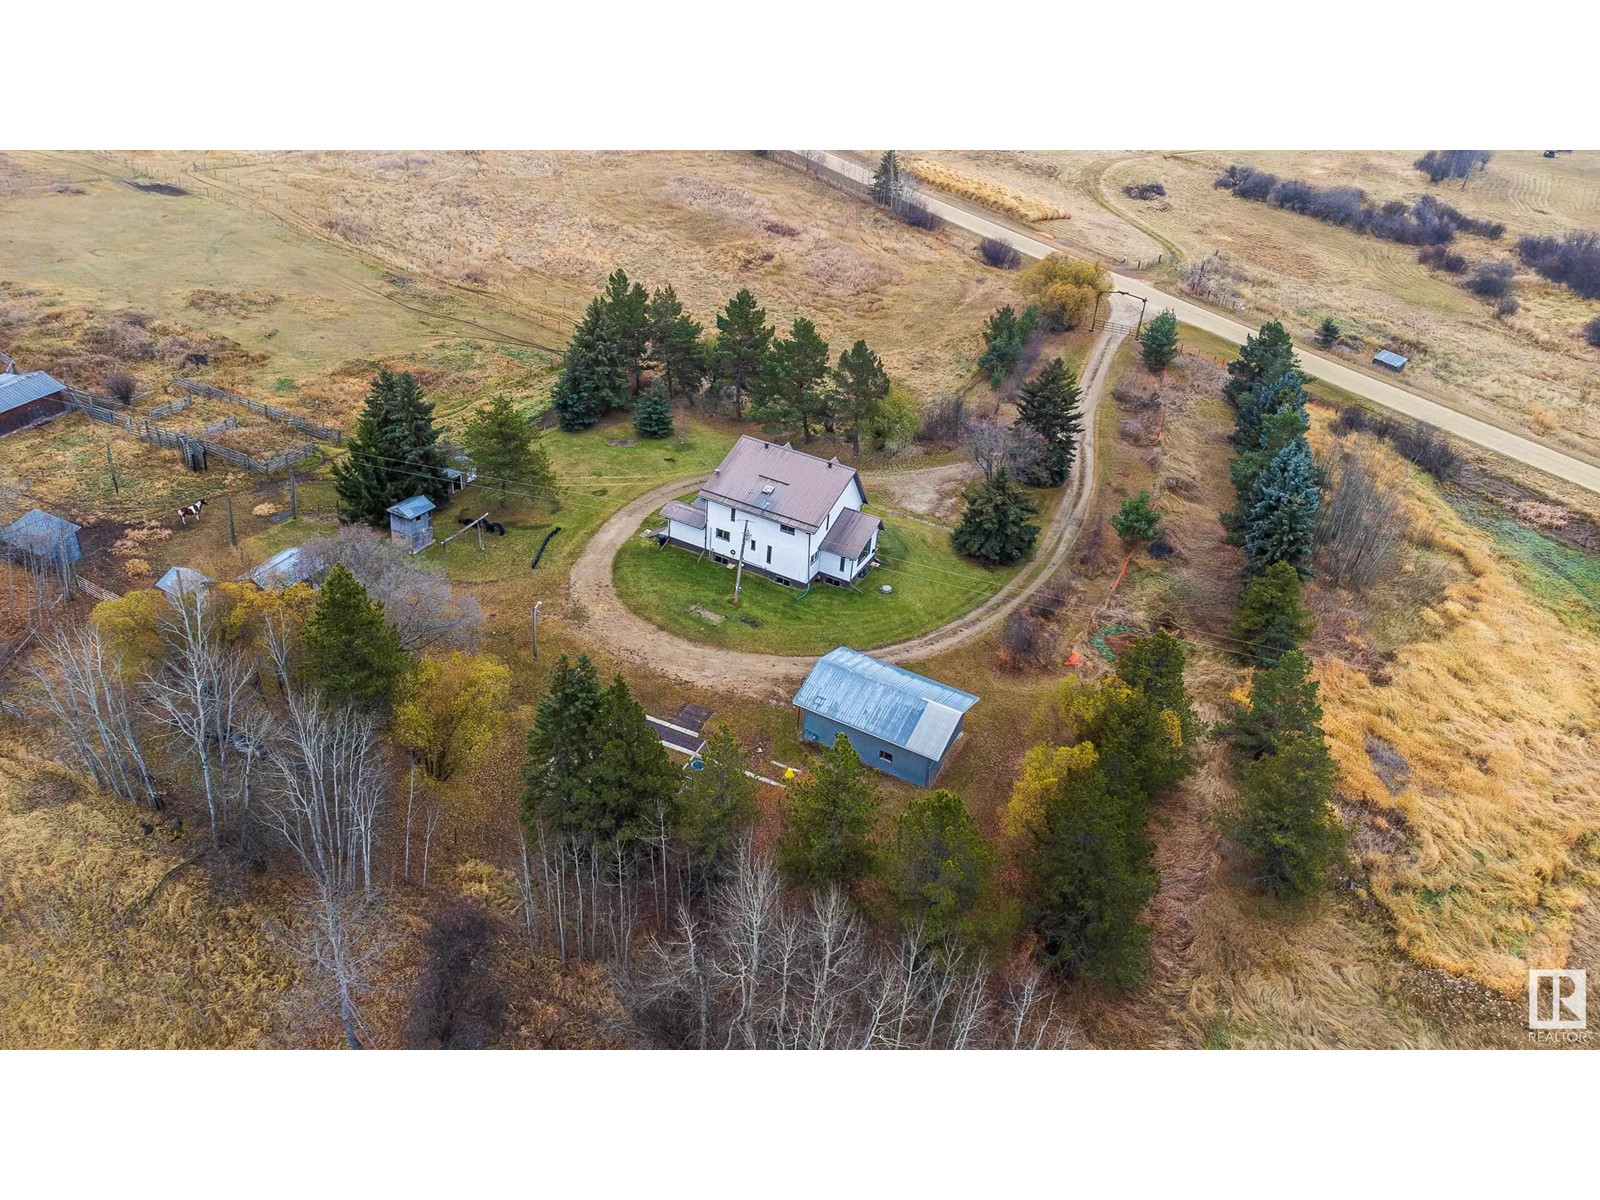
x: 841, y: 562
x: 786, y: 528
x: 885, y: 756
x: 769, y: 556
x: 724, y: 536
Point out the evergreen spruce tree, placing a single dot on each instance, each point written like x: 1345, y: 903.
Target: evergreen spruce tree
x: 652, y: 412
x: 1048, y: 405
x: 1265, y: 399
x: 743, y: 337
x: 635, y: 785
x: 505, y: 447
x: 941, y: 868
x: 558, y: 773
x: 1086, y: 880
x: 1004, y: 335
x: 594, y: 374
x: 627, y: 309
x: 1159, y: 346
x: 1282, y: 705
x: 886, y: 182
x: 718, y: 808
x: 1135, y: 521
x: 1282, y: 521
x: 1272, y: 618
x: 421, y: 455
x: 351, y: 653
x: 1267, y: 355
x: 1286, y: 821
x: 1278, y: 431
x: 391, y: 453
x: 1328, y: 333
x: 994, y: 524
x: 789, y: 390
x: 828, y: 822
x: 1153, y: 664
x: 675, y: 344
x: 860, y: 384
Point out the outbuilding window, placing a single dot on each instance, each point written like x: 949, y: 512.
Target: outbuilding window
x: 885, y: 755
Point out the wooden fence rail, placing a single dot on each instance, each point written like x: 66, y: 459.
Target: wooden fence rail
x: 325, y: 433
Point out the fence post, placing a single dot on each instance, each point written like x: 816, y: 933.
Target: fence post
x: 233, y: 535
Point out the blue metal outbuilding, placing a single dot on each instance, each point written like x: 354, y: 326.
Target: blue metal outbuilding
x: 902, y: 723
x: 1388, y: 358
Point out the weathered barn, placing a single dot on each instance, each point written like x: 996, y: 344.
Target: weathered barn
x: 181, y: 582
x: 28, y: 400
x: 902, y: 723
x: 411, y: 524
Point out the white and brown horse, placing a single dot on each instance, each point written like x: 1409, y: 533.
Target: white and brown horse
x: 191, y: 510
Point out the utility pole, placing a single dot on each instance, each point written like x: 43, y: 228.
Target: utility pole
x: 294, y: 497
x: 536, y: 607
x: 738, y: 575
x: 116, y: 488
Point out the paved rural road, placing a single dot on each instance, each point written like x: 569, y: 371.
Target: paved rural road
x: 1378, y: 391
x: 607, y: 619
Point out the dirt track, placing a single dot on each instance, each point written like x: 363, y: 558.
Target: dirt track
x: 609, y: 621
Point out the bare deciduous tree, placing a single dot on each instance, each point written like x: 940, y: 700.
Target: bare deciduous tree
x: 1361, y: 523
x: 761, y: 970
x: 420, y: 603
x: 197, y: 696
x: 85, y: 695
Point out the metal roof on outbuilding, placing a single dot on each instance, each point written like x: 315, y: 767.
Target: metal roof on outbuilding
x: 890, y: 703
x: 39, y: 532
x: 17, y: 390
x: 781, y: 482
x: 412, y: 507
x: 1390, y: 359
x: 283, y: 569
x: 183, y: 581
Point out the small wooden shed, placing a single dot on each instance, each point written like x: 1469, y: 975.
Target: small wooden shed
x: 29, y: 399
x: 411, y: 524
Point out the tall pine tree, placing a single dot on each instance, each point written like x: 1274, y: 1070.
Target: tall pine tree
x: 628, y: 310
x: 351, y: 651
x: 506, y: 449
x: 594, y: 373
x: 941, y: 868
x: 743, y: 337
x: 789, y: 389
x: 828, y: 822
x: 1048, y: 405
x: 886, y: 182
x: 1272, y: 618
x: 717, y: 809
x: 1267, y: 355
x: 675, y: 344
x: 392, y: 453
x: 558, y: 773
x: 860, y: 384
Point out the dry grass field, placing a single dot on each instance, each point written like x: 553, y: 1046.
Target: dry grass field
x: 539, y: 233
x: 1530, y: 372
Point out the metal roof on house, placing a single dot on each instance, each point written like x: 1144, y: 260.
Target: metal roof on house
x: 39, y: 532
x: 412, y: 508
x: 887, y: 702
x: 1390, y: 359
x: 781, y: 482
x: 686, y: 514
x: 851, y: 534
x: 17, y: 390
x: 183, y: 581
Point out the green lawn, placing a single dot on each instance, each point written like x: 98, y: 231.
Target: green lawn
x: 932, y: 586
x: 596, y: 478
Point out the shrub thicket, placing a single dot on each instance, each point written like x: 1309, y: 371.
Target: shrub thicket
x: 1428, y: 222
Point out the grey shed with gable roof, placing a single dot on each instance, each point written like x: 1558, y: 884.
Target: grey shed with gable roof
x: 902, y: 723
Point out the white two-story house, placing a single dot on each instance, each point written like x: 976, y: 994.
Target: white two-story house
x: 791, y: 516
